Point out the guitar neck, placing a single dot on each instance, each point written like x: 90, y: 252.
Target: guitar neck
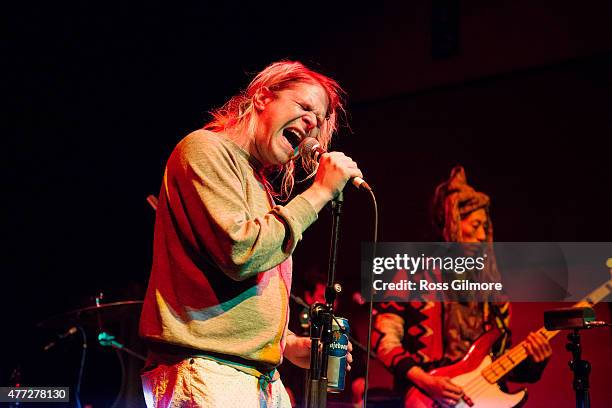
x: 513, y: 357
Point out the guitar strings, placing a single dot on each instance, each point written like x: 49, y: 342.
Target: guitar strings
x: 517, y: 353
x: 479, y: 384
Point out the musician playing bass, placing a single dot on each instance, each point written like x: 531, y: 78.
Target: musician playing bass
x: 416, y: 337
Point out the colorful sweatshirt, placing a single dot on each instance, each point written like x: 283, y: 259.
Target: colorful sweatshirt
x: 221, y: 272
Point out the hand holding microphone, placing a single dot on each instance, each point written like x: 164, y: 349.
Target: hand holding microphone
x: 310, y: 147
x: 335, y: 169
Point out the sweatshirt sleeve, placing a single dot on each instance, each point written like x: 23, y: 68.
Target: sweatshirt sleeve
x: 205, y: 185
x: 388, y: 343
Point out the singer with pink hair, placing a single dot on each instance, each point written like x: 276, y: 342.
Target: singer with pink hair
x: 216, y: 309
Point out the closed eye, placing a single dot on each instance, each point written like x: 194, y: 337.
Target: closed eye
x: 309, y: 108
x: 305, y: 107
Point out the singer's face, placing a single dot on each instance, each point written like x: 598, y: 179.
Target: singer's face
x: 284, y: 119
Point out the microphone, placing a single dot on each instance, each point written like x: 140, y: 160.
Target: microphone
x: 310, y: 147
x: 68, y: 333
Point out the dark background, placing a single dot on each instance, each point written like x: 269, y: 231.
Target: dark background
x: 97, y: 94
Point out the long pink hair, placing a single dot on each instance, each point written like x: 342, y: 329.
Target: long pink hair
x: 239, y: 116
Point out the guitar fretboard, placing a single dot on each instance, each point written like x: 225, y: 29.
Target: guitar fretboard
x: 513, y: 357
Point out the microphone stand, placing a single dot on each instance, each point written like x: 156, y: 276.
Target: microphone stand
x: 321, y: 316
x: 575, y: 319
x: 581, y: 369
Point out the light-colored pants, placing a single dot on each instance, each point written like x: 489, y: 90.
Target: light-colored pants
x: 198, y: 382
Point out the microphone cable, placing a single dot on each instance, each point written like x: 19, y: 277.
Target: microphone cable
x: 371, y: 303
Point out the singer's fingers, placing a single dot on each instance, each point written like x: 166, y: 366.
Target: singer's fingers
x: 334, y: 171
x: 342, y: 162
x: 333, y: 157
x: 358, y: 172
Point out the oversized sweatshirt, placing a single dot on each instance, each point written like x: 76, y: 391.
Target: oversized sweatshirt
x: 221, y: 272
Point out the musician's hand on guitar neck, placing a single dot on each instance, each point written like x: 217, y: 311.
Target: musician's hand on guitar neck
x: 538, y: 348
x: 440, y: 389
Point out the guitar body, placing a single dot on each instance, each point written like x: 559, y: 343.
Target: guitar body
x: 467, y: 374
